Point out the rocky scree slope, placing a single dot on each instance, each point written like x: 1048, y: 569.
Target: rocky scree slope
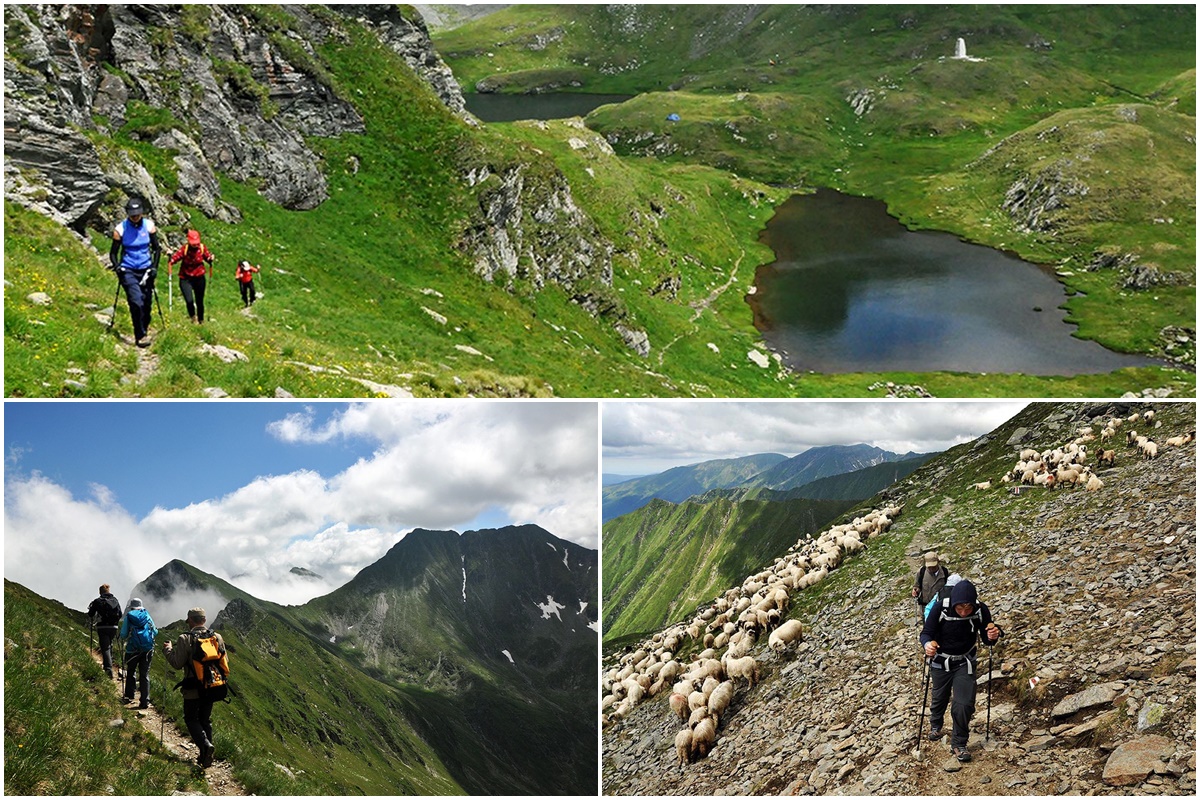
x: 1096, y: 591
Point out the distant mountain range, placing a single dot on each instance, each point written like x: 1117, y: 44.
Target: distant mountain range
x: 766, y: 471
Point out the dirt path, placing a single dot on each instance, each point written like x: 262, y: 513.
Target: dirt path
x: 179, y: 745
x: 700, y: 306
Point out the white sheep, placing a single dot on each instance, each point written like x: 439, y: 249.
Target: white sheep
x: 745, y: 667
x: 982, y: 486
x: 785, y: 635
x: 719, y: 700
x: 704, y: 736
x: 1094, y: 483
x: 683, y: 745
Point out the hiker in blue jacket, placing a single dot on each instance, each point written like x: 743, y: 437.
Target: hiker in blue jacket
x: 138, y: 631
x: 134, y: 257
x: 950, y: 636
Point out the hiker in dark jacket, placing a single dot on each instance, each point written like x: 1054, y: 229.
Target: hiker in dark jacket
x: 138, y: 631
x: 105, y: 614
x: 197, y: 708
x: 929, y: 582
x: 950, y: 637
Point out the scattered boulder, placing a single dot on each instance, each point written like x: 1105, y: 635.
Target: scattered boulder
x: 1134, y: 761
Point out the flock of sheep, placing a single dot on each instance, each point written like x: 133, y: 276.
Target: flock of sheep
x: 701, y: 694
x: 1067, y: 465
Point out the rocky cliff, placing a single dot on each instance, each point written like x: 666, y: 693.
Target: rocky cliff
x: 1094, y: 685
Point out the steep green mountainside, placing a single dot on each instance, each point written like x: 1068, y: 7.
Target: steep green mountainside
x: 1069, y: 137
x: 395, y: 684
x: 852, y: 690
x: 679, y: 483
x: 664, y: 558
x: 407, y: 251
x: 58, y: 706
x: 487, y: 631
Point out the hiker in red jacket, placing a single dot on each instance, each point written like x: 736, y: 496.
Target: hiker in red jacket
x: 192, y: 274
x: 245, y: 276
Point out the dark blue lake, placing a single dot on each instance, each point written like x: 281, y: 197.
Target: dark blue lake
x: 853, y: 290
x: 551, y: 105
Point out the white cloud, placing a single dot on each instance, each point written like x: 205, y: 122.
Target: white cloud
x: 643, y: 437
x: 435, y: 465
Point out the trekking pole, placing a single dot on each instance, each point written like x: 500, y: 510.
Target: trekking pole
x: 162, y: 711
x: 987, y: 732
x: 116, y: 297
x: 170, y: 290
x: 924, y: 700
x: 158, y: 303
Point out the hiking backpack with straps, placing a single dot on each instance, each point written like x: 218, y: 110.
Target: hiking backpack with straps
x: 209, y: 667
x: 109, y: 610
x: 141, y: 633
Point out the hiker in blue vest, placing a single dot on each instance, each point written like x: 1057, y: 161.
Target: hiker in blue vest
x: 134, y: 257
x: 950, y: 636
x: 138, y: 631
x: 105, y: 614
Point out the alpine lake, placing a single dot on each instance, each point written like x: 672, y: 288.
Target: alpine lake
x: 852, y: 290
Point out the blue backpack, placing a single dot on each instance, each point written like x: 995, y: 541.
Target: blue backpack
x: 141, y: 631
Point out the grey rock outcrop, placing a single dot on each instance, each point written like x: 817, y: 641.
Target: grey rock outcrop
x: 409, y: 38
x: 529, y: 228
x: 72, y: 69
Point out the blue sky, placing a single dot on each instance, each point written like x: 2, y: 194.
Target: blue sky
x: 111, y: 491
x: 168, y: 454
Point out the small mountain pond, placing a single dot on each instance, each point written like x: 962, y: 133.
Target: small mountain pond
x: 550, y: 105
x: 853, y: 290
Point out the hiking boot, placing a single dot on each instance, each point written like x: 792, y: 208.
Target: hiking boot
x: 143, y: 342
x: 206, y: 754
x: 960, y: 753
x: 143, y: 704
x: 935, y: 734
x: 127, y: 699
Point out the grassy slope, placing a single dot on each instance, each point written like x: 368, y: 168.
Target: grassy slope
x: 663, y: 559
x: 57, y: 707
x: 917, y: 148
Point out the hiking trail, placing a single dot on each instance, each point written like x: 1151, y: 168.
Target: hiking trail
x: 178, y: 745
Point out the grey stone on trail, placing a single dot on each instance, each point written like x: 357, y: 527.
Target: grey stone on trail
x: 1088, y: 698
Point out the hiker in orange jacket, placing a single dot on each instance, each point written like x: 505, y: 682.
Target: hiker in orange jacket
x: 192, y: 274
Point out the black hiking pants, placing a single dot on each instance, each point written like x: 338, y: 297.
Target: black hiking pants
x: 106, y: 634
x: 197, y: 715
x: 140, y: 298
x: 139, y: 662
x: 192, y: 290
x: 247, y: 293
x: 959, y: 681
